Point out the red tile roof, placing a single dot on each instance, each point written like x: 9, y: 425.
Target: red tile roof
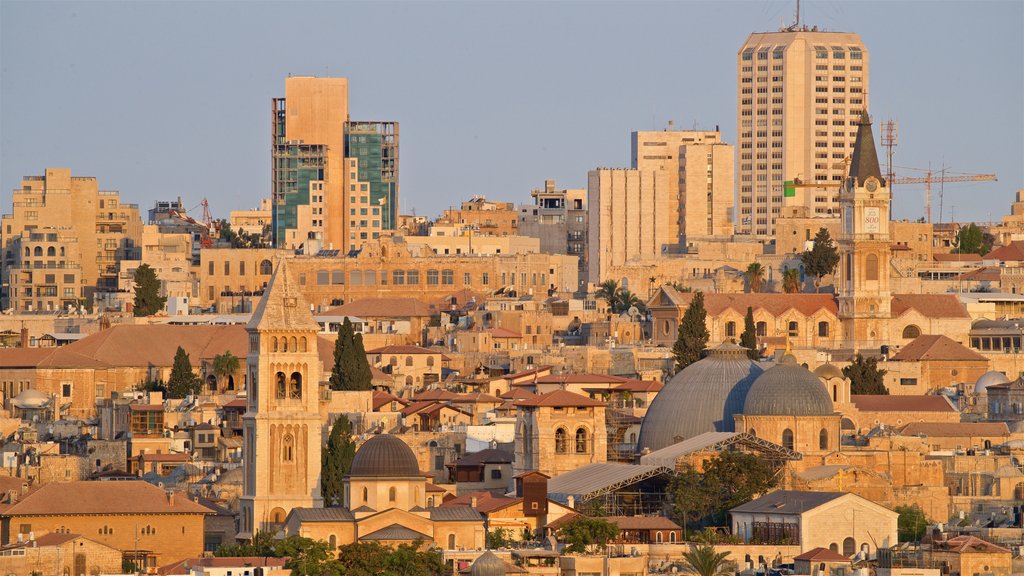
x: 969, y: 544
x: 105, y: 498
x: 1012, y: 252
x: 774, y: 304
x: 643, y: 523
x: 929, y: 305
x: 381, y: 399
x: 936, y: 347
x: 403, y: 349
x: 382, y: 308
x: 639, y: 386
x: 486, y: 502
x: 822, y: 555
x: 883, y: 403
x: 518, y: 394
x: 956, y: 257
x: 561, y: 399
x: 504, y: 333
x: 580, y: 379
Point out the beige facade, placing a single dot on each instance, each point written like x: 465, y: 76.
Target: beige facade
x: 483, y: 216
x: 252, y: 221
x: 60, y: 554
x: 64, y: 240
x: 559, y: 432
x: 628, y: 218
x: 170, y: 257
x: 799, y: 93
x: 559, y: 219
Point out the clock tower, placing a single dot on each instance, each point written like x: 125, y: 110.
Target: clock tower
x: 864, y: 247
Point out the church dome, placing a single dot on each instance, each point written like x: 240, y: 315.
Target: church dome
x: 829, y: 371
x: 703, y: 397
x: 488, y: 564
x: 30, y: 399
x: 385, y: 455
x: 989, y: 378
x: 787, y: 389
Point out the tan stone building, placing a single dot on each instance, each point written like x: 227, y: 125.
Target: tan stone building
x: 252, y: 221
x: 558, y: 432
x: 628, y: 218
x: 148, y: 525
x: 59, y: 553
x: 64, y: 240
x: 481, y: 216
x: 559, y: 219
x: 799, y: 92
x: 283, y: 427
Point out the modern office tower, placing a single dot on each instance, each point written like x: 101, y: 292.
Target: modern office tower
x: 628, y: 218
x: 64, y: 241
x: 700, y: 177
x: 335, y: 182
x: 799, y: 94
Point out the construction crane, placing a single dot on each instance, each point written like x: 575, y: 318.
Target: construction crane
x: 210, y: 228
x: 930, y: 177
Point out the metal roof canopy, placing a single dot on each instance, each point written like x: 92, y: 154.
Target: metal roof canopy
x: 595, y: 480
x: 716, y: 442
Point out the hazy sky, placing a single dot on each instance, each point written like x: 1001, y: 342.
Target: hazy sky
x: 160, y: 99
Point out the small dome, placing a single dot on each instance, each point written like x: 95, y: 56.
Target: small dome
x: 989, y: 378
x: 829, y: 371
x: 709, y: 392
x: 488, y: 565
x: 788, y: 390
x: 385, y: 455
x: 30, y: 399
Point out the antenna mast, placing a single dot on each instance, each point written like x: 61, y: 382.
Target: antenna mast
x: 890, y: 138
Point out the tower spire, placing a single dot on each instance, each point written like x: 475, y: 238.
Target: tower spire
x: 864, y: 163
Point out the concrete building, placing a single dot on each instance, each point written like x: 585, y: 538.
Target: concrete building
x: 559, y: 219
x: 252, y: 221
x: 64, y: 241
x: 799, y: 92
x: 481, y: 216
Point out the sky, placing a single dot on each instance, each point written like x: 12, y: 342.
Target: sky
x: 166, y: 99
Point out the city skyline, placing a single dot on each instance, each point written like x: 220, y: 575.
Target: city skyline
x: 506, y: 97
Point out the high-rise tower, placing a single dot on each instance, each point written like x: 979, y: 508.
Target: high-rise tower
x: 282, y: 421
x: 799, y: 93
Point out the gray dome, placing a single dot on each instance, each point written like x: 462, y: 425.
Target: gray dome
x: 788, y: 390
x: 829, y: 371
x: 488, y: 565
x: 987, y: 379
x: 703, y: 397
x: 385, y: 455
x: 30, y: 399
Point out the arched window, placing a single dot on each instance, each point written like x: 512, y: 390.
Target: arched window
x: 730, y: 329
x: 62, y: 251
x: 871, y: 267
x: 295, y: 386
x: 393, y: 361
x: 392, y: 494
x: 451, y: 541
x: 911, y: 332
x: 658, y: 537
x: 51, y: 251
x: 581, y: 441
x: 284, y: 344
x: 211, y: 382
x: 274, y: 346
x: 266, y: 268
x: 295, y: 344
x: 366, y: 495
x: 672, y: 537
x: 332, y: 541
x: 561, y: 441
x: 302, y: 344
x: 823, y: 329
x: 849, y: 547
x: 787, y: 438
x: 281, y: 390
x: 288, y: 448
x: 430, y: 361
x: 408, y: 361
x: 762, y: 329
x: 794, y: 329
x: 823, y: 439
x: 38, y: 251
x: 277, y: 516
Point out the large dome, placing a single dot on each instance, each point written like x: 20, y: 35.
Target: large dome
x: 30, y: 399
x: 787, y: 389
x: 703, y: 397
x: 385, y: 455
x: 488, y: 564
x: 829, y: 371
x: 987, y: 379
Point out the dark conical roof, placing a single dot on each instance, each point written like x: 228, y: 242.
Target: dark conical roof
x: 864, y: 163
x: 488, y: 564
x: 385, y: 455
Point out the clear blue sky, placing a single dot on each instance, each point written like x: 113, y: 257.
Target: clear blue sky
x: 165, y: 99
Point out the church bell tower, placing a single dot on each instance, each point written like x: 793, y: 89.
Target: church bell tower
x: 864, y: 246
x: 282, y: 421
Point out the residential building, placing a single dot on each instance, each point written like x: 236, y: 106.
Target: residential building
x: 59, y: 553
x: 64, y: 241
x: 559, y: 219
x: 482, y: 217
x: 374, y: 146
x: 799, y: 91
x: 253, y: 221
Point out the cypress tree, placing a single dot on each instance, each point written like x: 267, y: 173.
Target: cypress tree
x: 336, y: 461
x: 364, y: 378
x: 748, y: 339
x: 148, y: 300
x: 182, y: 381
x: 693, y: 333
x: 342, y: 357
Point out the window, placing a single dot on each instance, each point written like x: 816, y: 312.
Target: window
x: 398, y: 277
x: 280, y: 390
x: 412, y: 277
x: 432, y: 277
x: 823, y: 439
x: 495, y: 474
x: 561, y: 441
x: 323, y: 277
x: 337, y: 276
x: 730, y: 329
x: 581, y: 441
x: 288, y: 448
x: 447, y: 277
x: 871, y: 267
x: 66, y: 390
x: 823, y: 329
x: 911, y: 332
x: 794, y: 329
x: 787, y: 438
x: 762, y: 329
x: 392, y: 494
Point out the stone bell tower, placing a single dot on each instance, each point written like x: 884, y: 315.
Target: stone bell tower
x: 864, y: 247
x: 282, y: 421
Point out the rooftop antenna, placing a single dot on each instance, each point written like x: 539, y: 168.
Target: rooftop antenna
x: 797, y: 25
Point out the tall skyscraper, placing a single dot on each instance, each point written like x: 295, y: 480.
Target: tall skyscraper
x: 799, y: 94
x: 335, y: 182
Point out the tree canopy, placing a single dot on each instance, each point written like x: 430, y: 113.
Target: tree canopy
x: 972, y: 240
x: 748, y: 339
x: 755, y: 276
x: 912, y: 523
x: 147, y: 300
x: 619, y: 299
x: 351, y: 369
x: 183, y: 381
x: 693, y: 333
x: 865, y: 376
x: 226, y: 364
x: 309, y: 557
x: 584, y: 535
x: 705, y: 561
x: 822, y: 259
x: 336, y: 460
x: 791, y: 281
x: 729, y: 479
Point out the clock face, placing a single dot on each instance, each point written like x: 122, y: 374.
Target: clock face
x: 872, y: 185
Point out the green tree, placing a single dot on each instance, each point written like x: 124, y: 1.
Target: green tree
x: 374, y: 559
x: 791, y: 281
x: 583, y: 534
x: 148, y: 300
x: 755, y: 276
x: 822, y: 259
x: 225, y: 365
x: 865, y: 376
x: 912, y: 523
x: 748, y: 339
x: 182, y: 381
x: 262, y: 544
x: 729, y: 479
x: 625, y: 300
x: 351, y: 369
x: 498, y: 538
x: 971, y: 240
x: 705, y: 561
x: 336, y: 460
x: 693, y: 333
x: 607, y: 291
x: 363, y: 373
x: 306, y: 557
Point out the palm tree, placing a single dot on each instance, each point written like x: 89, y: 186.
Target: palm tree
x: 703, y: 560
x: 607, y: 290
x: 755, y: 276
x: 224, y: 365
x: 791, y: 281
x: 625, y: 300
